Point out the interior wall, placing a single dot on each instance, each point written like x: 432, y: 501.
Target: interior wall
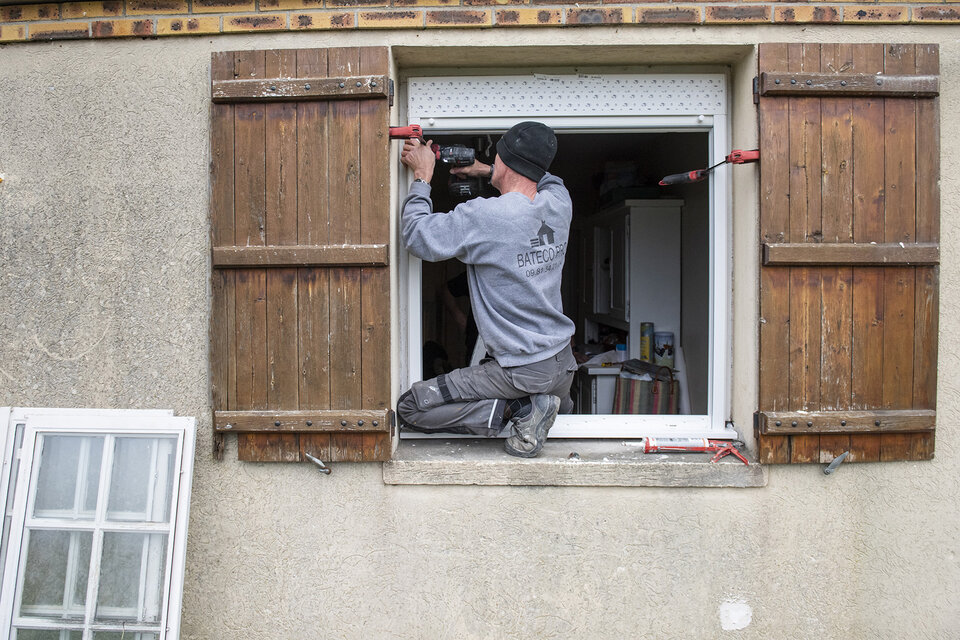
x: 104, y: 301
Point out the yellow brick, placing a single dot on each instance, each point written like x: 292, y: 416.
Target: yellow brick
x: 528, y: 17
x: 59, y: 31
x: 806, y: 13
x: 223, y: 6
x: 432, y: 3
x: 459, y: 18
x: 156, y: 7
x: 599, y: 15
x: 74, y: 10
x: 254, y: 22
x: 401, y: 19
x: 875, y: 14
x: 738, y: 14
x: 121, y: 28
x: 12, y: 32
x: 668, y: 14
x: 290, y: 5
x: 186, y: 26
x: 321, y: 20
x: 942, y: 14
x: 29, y: 13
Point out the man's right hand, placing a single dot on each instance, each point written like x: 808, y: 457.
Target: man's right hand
x: 419, y: 157
x: 475, y: 170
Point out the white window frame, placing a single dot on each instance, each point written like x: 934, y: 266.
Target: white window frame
x: 439, y: 117
x: 23, y: 463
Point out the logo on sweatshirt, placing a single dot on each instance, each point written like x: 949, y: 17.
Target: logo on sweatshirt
x: 544, y: 236
x: 546, y: 256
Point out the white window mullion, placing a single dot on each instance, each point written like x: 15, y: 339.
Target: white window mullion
x: 96, y: 551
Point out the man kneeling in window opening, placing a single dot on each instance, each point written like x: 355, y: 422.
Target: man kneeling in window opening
x: 513, y: 247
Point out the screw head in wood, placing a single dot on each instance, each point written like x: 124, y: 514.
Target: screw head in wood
x: 809, y: 82
x: 376, y: 423
x: 809, y: 423
x: 306, y: 87
x: 793, y: 81
x: 876, y: 423
x: 273, y: 87
x: 843, y: 83
x: 794, y: 423
x: 779, y: 423
x: 359, y: 84
x: 373, y: 84
x: 879, y: 82
x: 276, y: 423
x: 343, y: 423
x: 309, y: 423
x: 359, y: 423
x: 843, y: 423
x: 229, y: 426
x: 342, y: 85
x: 777, y: 81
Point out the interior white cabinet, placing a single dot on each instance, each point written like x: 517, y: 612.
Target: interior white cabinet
x: 636, y: 267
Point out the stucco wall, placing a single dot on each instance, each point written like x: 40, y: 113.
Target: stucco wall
x: 104, y: 302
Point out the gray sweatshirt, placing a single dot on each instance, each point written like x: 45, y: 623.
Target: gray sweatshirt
x: 514, y: 251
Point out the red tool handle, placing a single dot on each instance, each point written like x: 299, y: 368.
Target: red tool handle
x: 739, y: 156
x: 408, y: 132
x: 685, y: 178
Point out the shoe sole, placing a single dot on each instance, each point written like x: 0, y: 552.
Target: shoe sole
x: 543, y: 428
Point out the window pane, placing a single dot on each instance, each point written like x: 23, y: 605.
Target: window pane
x: 131, y: 577
x: 69, y: 477
x: 48, y: 634
x: 141, y: 487
x: 55, y: 574
x: 118, y: 635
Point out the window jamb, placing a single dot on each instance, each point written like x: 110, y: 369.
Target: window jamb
x: 716, y: 125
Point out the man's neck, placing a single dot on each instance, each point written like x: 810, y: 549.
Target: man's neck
x: 521, y: 185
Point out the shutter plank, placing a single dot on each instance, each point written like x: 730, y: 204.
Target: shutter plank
x: 375, y: 229
x: 900, y: 226
x: 867, y: 286
x: 343, y: 142
x: 281, y: 229
x: 223, y: 372
x: 927, y: 284
x: 805, y: 151
x: 313, y: 228
x: 774, y: 385
x: 837, y: 227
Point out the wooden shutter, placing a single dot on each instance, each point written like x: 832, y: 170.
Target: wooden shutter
x: 300, y: 223
x: 849, y: 230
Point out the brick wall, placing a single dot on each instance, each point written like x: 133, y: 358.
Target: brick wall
x: 133, y: 18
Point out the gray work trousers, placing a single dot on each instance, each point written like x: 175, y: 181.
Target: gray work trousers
x: 472, y: 400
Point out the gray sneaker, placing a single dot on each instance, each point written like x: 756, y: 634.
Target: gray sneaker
x: 530, y: 431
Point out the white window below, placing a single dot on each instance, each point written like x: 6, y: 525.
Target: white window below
x: 95, y: 523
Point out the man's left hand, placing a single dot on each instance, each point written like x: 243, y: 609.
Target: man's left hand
x: 419, y: 157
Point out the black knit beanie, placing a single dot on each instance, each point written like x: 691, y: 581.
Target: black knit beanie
x: 528, y: 148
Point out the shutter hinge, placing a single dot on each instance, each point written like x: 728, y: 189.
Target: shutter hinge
x: 390, y: 92
x: 756, y: 90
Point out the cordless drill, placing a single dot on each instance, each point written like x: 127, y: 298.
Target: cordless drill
x: 454, y: 155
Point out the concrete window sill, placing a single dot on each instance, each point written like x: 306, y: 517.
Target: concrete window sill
x: 596, y: 463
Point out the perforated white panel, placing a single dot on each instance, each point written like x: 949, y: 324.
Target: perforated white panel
x: 566, y: 95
